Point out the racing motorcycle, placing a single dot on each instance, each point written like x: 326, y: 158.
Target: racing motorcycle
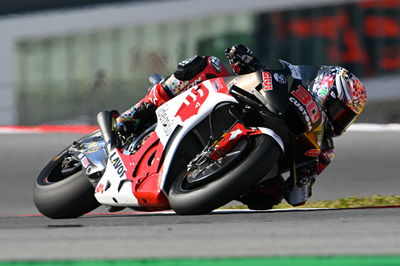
x: 208, y: 146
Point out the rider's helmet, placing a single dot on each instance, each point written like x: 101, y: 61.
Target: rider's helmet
x: 342, y: 97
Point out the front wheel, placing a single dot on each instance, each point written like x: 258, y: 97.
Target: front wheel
x: 220, y: 182
x: 62, y: 192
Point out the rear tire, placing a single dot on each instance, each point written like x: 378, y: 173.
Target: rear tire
x: 259, y: 160
x: 59, y: 197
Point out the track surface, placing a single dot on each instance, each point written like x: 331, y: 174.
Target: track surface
x: 331, y: 232
x: 366, y: 164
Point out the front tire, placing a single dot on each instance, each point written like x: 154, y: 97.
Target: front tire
x: 254, y: 165
x: 59, y: 197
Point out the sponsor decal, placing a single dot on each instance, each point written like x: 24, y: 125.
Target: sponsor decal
x: 92, y: 150
x: 177, y: 86
x: 267, y: 81
x: 100, y: 188
x: 307, y: 100
x: 85, y: 162
x: 235, y: 134
x: 192, y: 103
x: 303, y: 112
x: 218, y: 84
x: 93, y: 144
x: 165, y: 121
x: 195, y: 82
x: 216, y: 63
x: 117, y: 163
x: 312, y: 153
x: 280, y: 78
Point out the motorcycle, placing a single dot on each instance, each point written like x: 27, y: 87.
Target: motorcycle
x: 209, y: 145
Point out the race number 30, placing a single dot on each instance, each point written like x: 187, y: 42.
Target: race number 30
x: 307, y: 100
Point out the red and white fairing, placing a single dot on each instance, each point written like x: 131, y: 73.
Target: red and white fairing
x: 138, y: 180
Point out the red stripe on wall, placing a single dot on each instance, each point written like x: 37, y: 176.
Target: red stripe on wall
x: 81, y: 129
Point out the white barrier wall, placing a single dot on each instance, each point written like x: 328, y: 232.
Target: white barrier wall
x: 116, y: 21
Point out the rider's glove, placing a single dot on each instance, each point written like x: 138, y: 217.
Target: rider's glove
x: 242, y: 59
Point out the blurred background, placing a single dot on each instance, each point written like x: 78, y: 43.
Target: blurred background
x: 63, y: 61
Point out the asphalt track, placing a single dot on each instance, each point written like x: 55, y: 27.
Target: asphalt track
x: 367, y: 163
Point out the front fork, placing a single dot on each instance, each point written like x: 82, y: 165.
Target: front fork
x: 227, y: 141
x: 220, y: 147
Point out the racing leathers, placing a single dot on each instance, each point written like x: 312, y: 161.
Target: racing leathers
x: 189, y: 73
x: 270, y: 192
x: 199, y: 68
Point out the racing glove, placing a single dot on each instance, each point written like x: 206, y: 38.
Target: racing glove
x: 242, y: 59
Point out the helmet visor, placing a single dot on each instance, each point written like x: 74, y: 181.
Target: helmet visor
x: 340, y: 115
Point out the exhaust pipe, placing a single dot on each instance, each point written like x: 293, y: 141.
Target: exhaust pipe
x: 104, y: 121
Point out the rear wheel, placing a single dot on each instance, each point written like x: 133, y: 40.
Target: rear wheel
x: 214, y: 183
x: 63, y: 191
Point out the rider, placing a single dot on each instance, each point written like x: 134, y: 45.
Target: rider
x: 337, y: 91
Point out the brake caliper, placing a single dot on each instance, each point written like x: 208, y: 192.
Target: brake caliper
x: 229, y: 139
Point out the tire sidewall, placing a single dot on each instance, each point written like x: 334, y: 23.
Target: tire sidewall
x: 70, y: 197
x: 259, y: 161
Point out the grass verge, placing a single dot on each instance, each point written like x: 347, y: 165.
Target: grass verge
x: 351, y: 202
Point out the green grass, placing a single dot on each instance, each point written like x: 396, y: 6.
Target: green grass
x: 260, y: 261
x: 351, y: 202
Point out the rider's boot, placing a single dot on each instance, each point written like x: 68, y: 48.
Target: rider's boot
x: 135, y: 120
x: 265, y: 194
x: 299, y: 193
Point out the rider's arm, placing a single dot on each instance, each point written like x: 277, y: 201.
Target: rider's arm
x: 316, y: 166
x: 190, y: 72
x: 242, y: 59
x: 326, y: 156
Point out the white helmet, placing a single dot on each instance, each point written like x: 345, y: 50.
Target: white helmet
x: 342, y: 95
